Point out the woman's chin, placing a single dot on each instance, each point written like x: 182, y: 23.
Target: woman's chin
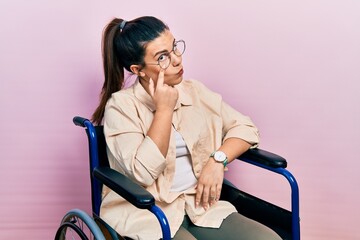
x: 177, y: 81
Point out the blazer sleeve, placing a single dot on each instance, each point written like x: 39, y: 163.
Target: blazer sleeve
x: 238, y: 125
x: 234, y: 123
x: 132, y: 152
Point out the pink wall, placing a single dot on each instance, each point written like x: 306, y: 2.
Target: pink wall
x: 293, y: 66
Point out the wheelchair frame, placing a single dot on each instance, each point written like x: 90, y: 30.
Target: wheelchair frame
x: 139, y: 197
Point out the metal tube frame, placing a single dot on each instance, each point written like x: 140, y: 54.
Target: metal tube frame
x: 165, y: 228
x: 95, y: 162
x: 294, y: 195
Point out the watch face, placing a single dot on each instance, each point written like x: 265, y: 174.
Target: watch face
x: 219, y: 156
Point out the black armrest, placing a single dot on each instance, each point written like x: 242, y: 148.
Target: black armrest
x: 131, y: 191
x: 263, y: 157
x: 79, y: 121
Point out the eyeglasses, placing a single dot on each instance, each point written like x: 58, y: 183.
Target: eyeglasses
x: 164, y: 59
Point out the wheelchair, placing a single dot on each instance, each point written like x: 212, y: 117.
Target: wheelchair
x: 77, y: 224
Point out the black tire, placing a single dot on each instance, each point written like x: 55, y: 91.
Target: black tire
x: 68, y: 229
x: 78, y: 225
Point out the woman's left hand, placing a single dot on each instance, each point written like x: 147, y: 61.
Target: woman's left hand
x: 209, y: 184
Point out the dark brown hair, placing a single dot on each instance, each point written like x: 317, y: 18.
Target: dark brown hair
x: 122, y: 48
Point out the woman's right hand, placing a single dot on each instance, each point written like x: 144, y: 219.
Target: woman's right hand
x: 165, y: 98
x: 163, y: 95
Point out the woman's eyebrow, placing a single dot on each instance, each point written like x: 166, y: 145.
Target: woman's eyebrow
x: 162, y: 51
x: 165, y: 51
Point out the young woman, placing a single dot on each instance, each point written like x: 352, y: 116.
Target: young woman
x: 172, y: 136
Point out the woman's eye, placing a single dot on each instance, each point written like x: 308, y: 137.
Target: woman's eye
x: 162, y: 57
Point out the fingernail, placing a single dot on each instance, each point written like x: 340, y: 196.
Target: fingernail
x: 196, y: 204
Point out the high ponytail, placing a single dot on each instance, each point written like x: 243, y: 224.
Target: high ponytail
x: 122, y: 48
x: 113, y: 71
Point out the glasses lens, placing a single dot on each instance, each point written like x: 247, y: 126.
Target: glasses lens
x: 179, y: 48
x: 164, y: 62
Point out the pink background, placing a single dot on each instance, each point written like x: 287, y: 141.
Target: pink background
x: 293, y: 66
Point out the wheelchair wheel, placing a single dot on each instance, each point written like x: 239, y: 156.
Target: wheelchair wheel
x: 69, y: 230
x: 78, y: 225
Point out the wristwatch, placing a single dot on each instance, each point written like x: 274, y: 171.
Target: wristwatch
x: 220, y: 157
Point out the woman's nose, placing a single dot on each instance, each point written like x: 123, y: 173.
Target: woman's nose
x: 175, y: 59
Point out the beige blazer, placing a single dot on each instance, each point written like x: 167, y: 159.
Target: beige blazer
x: 203, y: 120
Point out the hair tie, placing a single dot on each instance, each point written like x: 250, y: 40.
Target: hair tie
x: 122, y: 25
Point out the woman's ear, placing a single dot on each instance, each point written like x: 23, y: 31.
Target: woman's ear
x: 136, y: 69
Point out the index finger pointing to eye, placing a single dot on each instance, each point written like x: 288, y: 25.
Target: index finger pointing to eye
x: 160, y: 81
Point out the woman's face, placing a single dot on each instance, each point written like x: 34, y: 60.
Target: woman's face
x: 154, y: 51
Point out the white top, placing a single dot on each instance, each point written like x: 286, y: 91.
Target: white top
x: 184, y: 177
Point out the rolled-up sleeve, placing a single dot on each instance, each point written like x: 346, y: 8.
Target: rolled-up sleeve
x: 129, y: 149
x: 238, y: 125
x: 234, y: 123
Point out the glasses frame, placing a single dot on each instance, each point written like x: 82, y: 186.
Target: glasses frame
x: 168, y: 54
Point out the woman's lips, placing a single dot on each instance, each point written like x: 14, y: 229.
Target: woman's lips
x: 181, y: 72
